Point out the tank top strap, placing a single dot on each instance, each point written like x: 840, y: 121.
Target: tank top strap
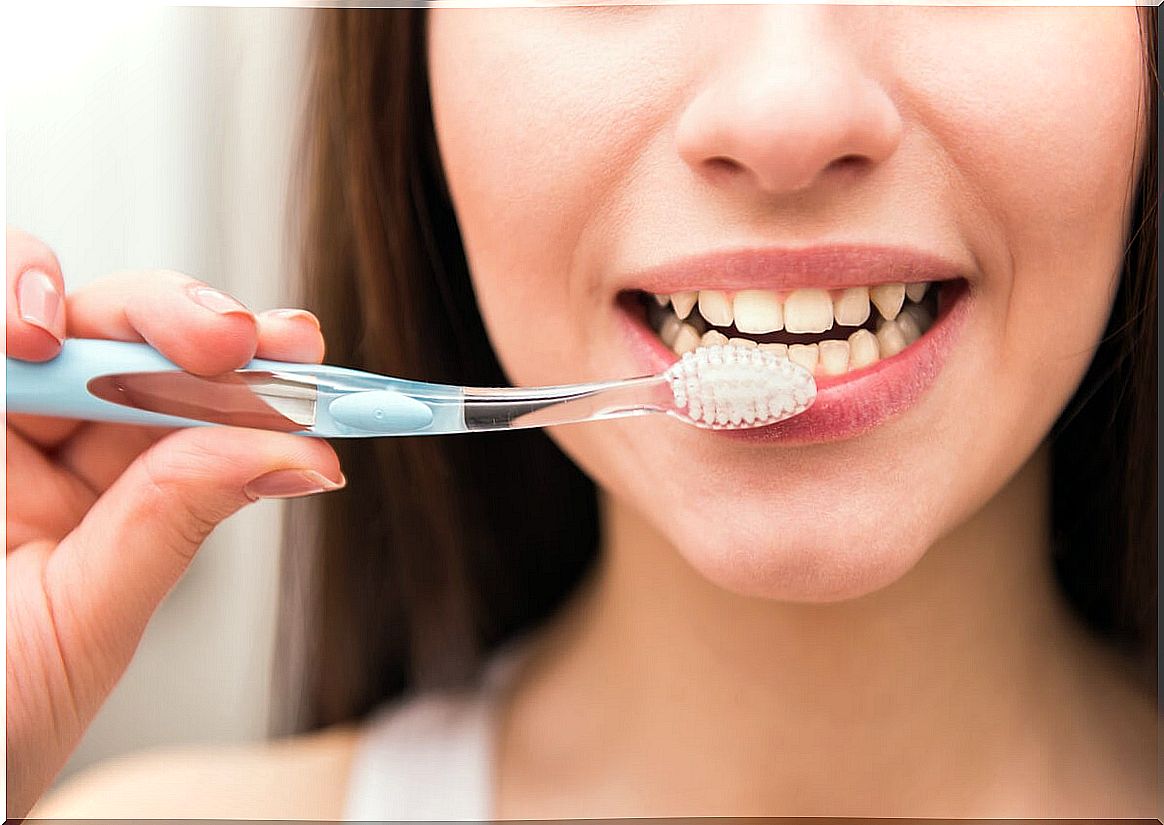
x: 430, y: 756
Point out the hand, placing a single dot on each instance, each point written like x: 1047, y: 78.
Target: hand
x: 102, y: 519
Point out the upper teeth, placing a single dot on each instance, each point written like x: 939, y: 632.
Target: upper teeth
x: 801, y: 310
x: 809, y: 310
x: 758, y: 310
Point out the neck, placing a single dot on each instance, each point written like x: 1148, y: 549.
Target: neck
x: 966, y: 647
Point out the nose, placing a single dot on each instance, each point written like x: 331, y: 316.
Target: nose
x: 787, y: 105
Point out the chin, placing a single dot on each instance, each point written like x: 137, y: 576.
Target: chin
x: 820, y: 564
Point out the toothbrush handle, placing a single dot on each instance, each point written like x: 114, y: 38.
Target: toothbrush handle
x: 60, y: 387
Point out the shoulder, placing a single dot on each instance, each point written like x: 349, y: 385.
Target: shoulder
x: 300, y: 777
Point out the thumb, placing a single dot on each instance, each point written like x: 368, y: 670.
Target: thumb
x: 107, y: 577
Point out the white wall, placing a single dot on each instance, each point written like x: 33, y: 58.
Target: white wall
x: 162, y: 137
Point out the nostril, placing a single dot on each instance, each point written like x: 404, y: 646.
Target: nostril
x: 848, y: 162
x: 722, y: 165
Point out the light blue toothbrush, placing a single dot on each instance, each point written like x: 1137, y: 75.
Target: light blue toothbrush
x: 726, y: 387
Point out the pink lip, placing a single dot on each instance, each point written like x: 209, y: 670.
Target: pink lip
x: 846, y: 405
x: 831, y: 267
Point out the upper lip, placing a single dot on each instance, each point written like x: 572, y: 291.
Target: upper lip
x: 829, y: 267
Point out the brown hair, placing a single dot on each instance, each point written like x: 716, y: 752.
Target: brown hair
x: 440, y: 549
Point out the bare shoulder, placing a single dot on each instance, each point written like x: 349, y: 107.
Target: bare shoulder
x: 300, y: 777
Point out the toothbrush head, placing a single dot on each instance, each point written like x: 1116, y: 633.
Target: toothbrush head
x: 733, y: 387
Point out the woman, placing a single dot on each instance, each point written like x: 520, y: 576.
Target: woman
x: 929, y: 596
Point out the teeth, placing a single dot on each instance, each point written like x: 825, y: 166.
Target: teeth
x: 851, y: 306
x: 715, y: 307
x: 758, y: 311
x: 713, y: 338
x: 683, y: 302
x: 908, y: 325
x: 919, y: 315
x: 890, y: 338
x: 804, y: 354
x: 863, y: 349
x: 834, y: 357
x: 808, y: 310
x: 914, y: 321
x: 888, y: 299
x: 686, y: 340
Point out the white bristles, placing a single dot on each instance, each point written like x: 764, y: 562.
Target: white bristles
x: 731, y: 387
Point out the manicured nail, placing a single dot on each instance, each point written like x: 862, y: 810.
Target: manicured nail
x: 217, y: 301
x: 296, y: 315
x: 39, y: 302
x: 291, y: 484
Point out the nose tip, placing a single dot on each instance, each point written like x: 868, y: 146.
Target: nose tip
x: 784, y: 128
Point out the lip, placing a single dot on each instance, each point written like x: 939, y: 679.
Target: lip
x: 846, y: 405
x: 828, y: 267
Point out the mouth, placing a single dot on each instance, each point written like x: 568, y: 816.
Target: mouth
x: 828, y: 332
x: 873, y: 348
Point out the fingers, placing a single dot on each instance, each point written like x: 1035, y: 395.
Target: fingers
x: 46, y: 502
x: 100, y: 452
x: 110, y: 573
x: 34, y: 323
x: 199, y: 328
x: 290, y: 335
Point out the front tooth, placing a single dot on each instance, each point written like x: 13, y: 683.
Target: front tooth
x: 779, y: 349
x: 808, y: 310
x: 686, y: 340
x: 715, y: 307
x: 661, y: 300
x: 669, y: 329
x: 804, y: 354
x: 834, y: 357
x: 742, y: 342
x: 758, y: 311
x: 851, y: 306
x: 863, y: 349
x: 683, y: 302
x: 916, y: 291
x: 888, y: 299
x: 890, y: 339
x: 713, y: 338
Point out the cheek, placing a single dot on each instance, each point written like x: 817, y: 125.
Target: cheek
x: 537, y: 123
x: 1045, y: 167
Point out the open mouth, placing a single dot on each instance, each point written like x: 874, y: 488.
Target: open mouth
x: 830, y: 332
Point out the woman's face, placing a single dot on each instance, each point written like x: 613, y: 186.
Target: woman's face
x: 789, y: 170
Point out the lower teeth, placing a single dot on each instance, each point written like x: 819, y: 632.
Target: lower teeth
x: 874, y: 341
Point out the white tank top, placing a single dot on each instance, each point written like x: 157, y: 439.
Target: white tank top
x: 430, y: 756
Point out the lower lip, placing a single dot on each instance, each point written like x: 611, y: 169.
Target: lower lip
x: 846, y: 405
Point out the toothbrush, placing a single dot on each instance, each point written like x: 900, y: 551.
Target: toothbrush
x: 716, y: 387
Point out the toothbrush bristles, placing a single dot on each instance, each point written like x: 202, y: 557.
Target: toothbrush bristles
x: 734, y: 387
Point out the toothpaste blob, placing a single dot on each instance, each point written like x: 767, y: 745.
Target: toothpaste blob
x: 733, y: 387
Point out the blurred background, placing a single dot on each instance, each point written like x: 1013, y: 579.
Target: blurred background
x: 164, y: 137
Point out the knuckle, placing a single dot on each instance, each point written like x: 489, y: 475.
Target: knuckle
x: 173, y: 472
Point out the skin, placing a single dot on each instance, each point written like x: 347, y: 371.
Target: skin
x: 811, y: 658
x: 87, y: 565
x: 1000, y: 139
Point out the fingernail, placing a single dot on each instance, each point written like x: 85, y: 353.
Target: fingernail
x: 296, y: 315
x: 217, y: 301
x: 290, y: 484
x: 39, y: 302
